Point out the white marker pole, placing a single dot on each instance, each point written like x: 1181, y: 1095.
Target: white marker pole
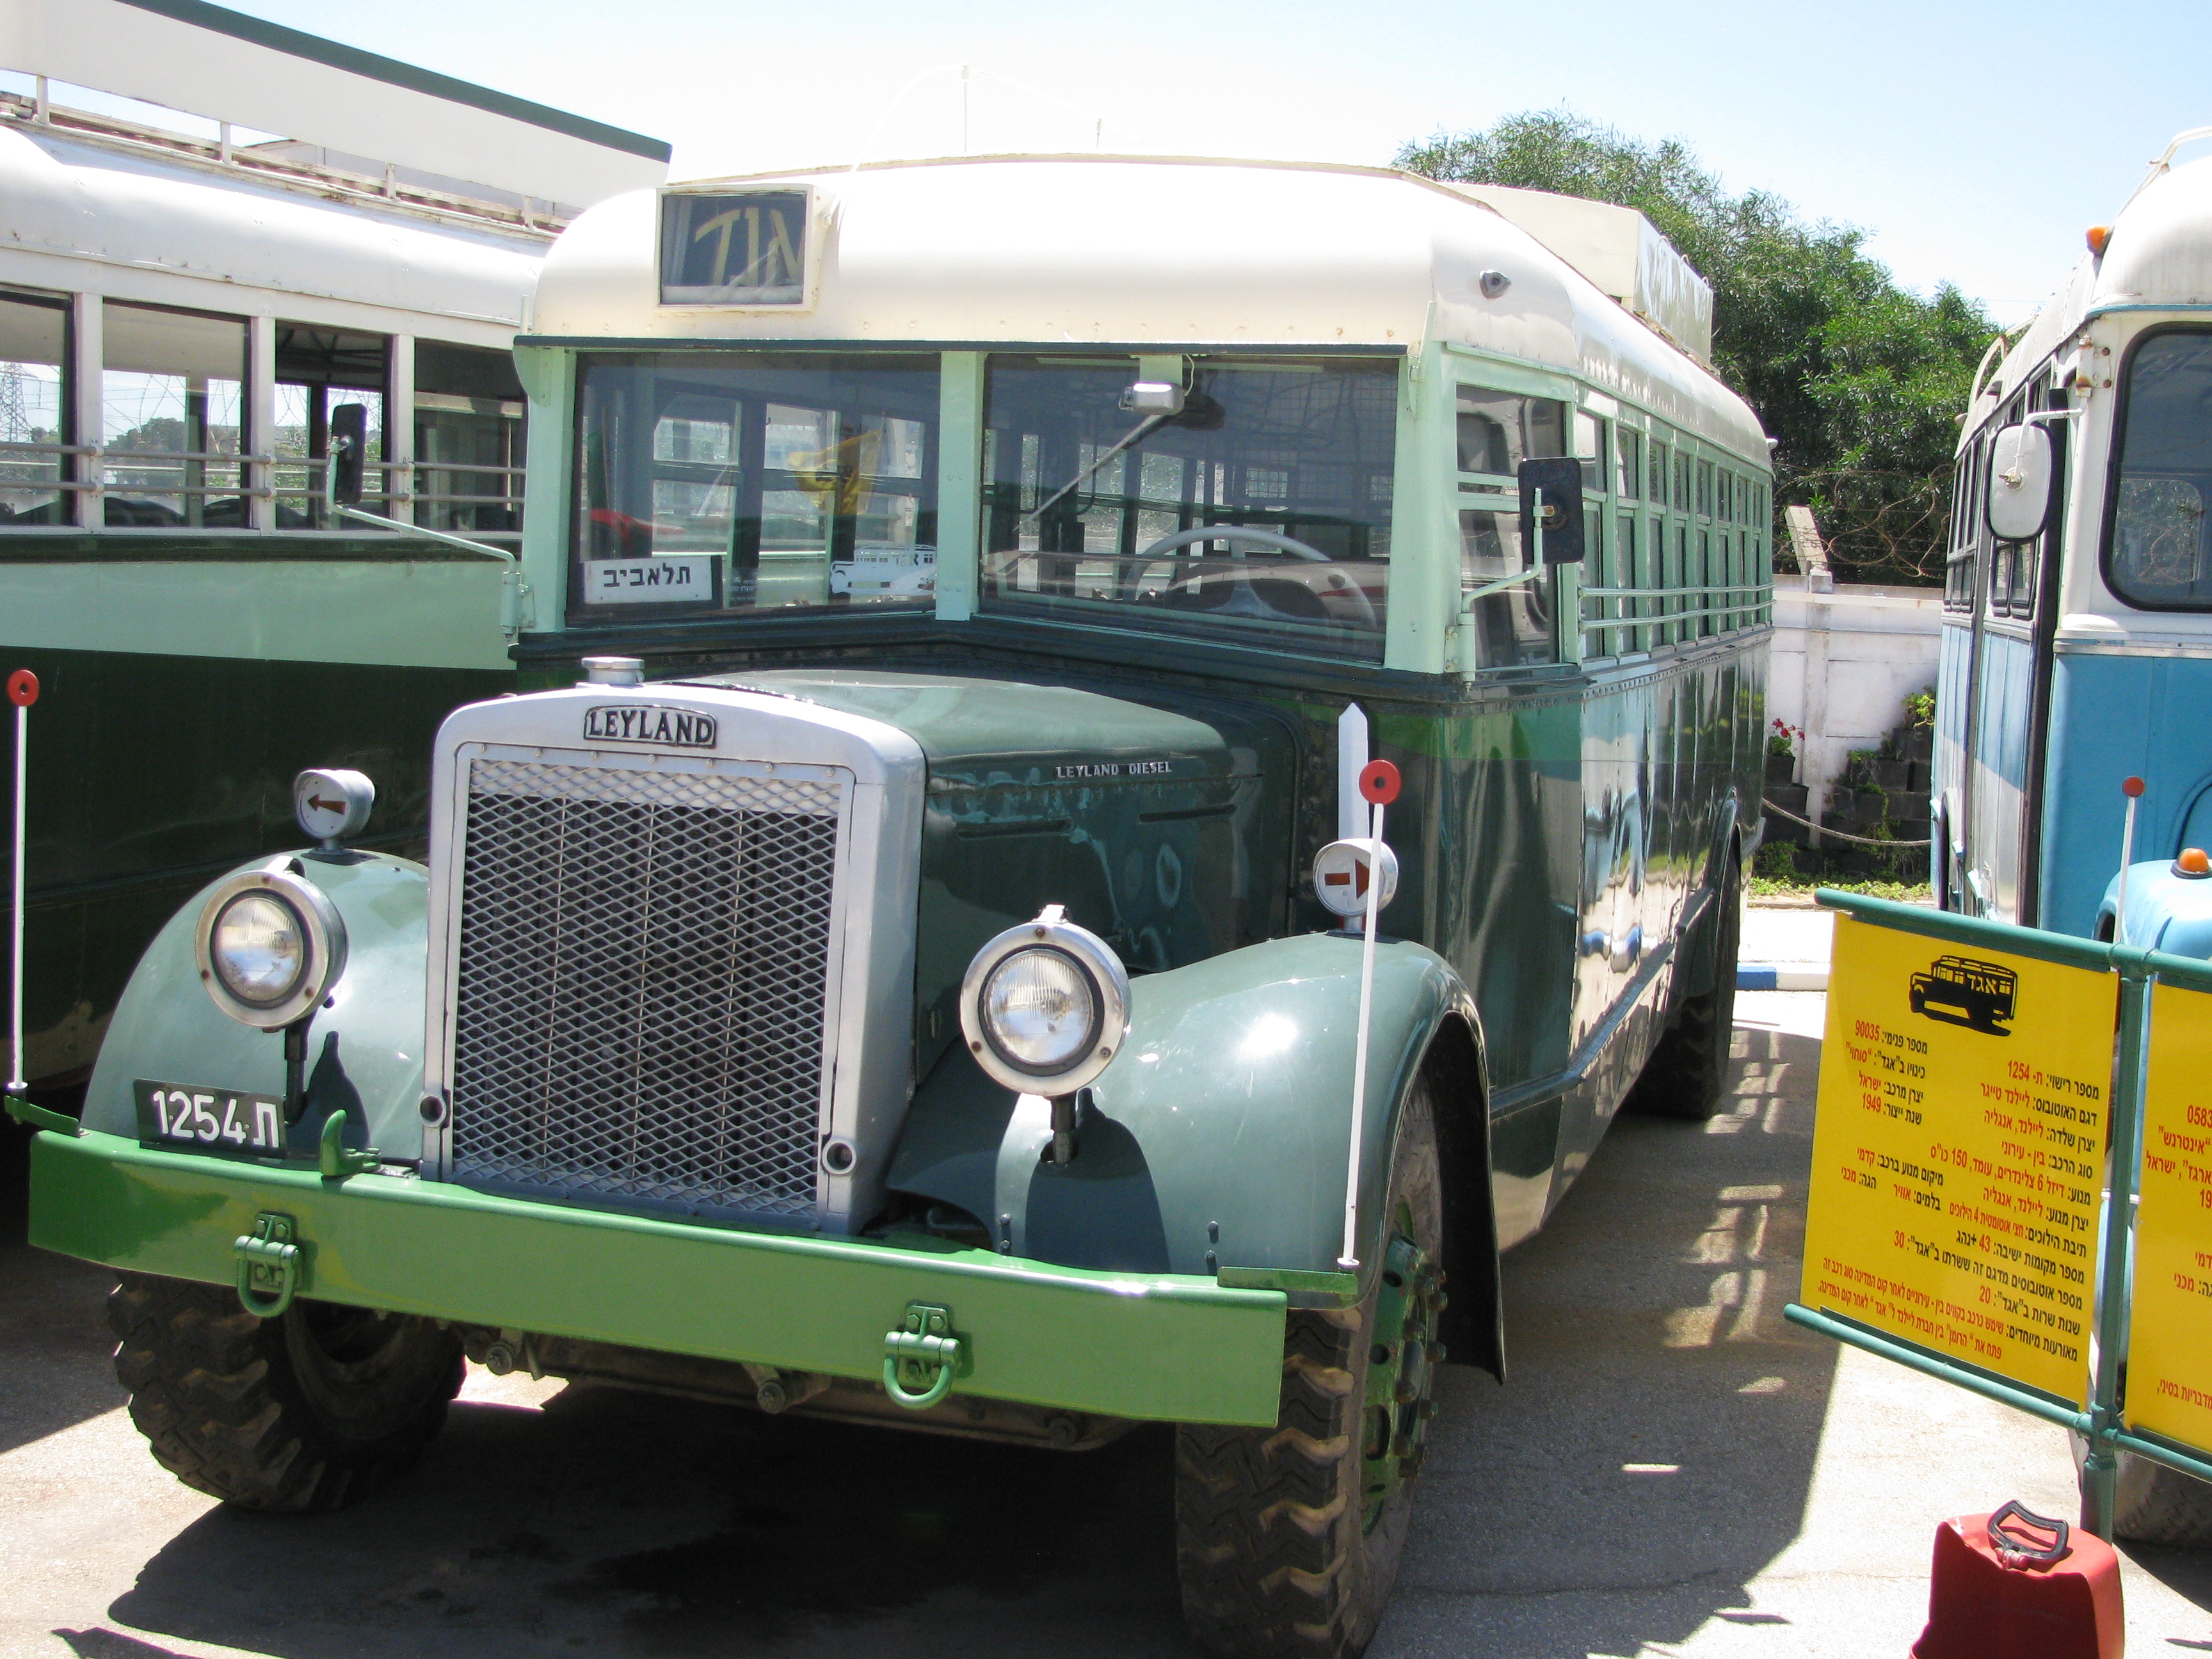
x: 2132, y: 789
x: 1378, y: 790
x: 23, y: 691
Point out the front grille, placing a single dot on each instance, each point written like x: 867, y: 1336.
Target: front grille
x: 643, y: 985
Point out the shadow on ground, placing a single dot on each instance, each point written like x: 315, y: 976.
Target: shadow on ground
x: 634, y: 1523
x: 1655, y: 1446
x: 1650, y: 1455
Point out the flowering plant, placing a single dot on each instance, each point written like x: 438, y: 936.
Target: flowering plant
x: 1784, y: 739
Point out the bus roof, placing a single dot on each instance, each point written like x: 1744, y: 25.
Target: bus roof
x: 2159, y: 255
x: 144, y: 227
x: 189, y: 55
x: 1123, y: 251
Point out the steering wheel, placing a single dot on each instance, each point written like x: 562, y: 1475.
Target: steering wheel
x: 1244, y: 601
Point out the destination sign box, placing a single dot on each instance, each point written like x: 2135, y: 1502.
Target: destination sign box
x: 663, y: 579
x: 1955, y: 1153
x: 2170, y: 1339
x: 743, y: 247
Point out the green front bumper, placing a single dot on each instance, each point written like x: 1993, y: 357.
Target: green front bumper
x: 1149, y: 1345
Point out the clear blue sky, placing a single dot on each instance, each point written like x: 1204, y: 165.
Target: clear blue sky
x: 1974, y: 141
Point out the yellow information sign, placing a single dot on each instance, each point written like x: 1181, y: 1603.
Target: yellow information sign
x: 2170, y: 1338
x: 1955, y: 1152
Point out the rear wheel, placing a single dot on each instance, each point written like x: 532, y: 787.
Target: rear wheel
x: 1686, y: 1076
x: 315, y: 1409
x: 1288, y: 1539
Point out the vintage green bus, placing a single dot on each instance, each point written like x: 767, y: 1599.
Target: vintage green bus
x: 877, y: 968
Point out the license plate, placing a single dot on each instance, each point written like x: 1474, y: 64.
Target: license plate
x: 219, y: 1120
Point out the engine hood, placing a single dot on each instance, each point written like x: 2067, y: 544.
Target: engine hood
x: 1163, y: 823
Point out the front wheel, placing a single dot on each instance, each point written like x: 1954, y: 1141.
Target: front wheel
x: 1287, y: 1538
x: 315, y: 1409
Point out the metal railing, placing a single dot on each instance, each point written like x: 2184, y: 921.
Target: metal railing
x: 1757, y: 608
x: 258, y: 476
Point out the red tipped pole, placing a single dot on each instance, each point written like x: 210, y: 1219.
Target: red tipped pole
x: 1378, y: 785
x: 23, y: 691
x: 2133, y: 789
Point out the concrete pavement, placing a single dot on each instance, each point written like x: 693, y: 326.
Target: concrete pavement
x: 1673, y: 1469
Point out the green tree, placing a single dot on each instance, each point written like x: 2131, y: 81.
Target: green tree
x: 1858, y: 380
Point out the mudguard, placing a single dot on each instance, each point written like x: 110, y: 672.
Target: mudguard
x: 364, y: 1046
x: 2168, y: 910
x: 1218, y: 1138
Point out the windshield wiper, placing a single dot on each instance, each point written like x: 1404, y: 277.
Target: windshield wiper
x: 1145, y: 430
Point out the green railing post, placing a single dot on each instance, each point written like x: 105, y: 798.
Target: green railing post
x: 2101, y: 1467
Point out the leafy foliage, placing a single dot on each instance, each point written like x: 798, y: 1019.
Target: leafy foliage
x: 1857, y: 379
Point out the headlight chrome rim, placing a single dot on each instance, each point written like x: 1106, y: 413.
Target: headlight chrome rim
x: 323, y: 939
x: 1108, y: 983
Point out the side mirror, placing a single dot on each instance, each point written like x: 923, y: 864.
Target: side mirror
x: 2020, y: 473
x: 349, y: 452
x: 1560, y: 483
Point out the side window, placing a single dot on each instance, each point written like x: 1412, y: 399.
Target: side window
x: 469, y: 410
x: 1629, y: 445
x: 1615, y: 641
x: 1704, y: 580
x: 1589, y: 449
x: 172, y: 409
x: 1498, y: 430
x: 34, y: 413
x: 319, y: 369
x: 1513, y: 626
x: 2156, y: 548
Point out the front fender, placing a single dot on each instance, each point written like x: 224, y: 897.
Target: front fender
x: 364, y: 1048
x: 1219, y: 1136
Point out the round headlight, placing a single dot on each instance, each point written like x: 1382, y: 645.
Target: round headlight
x: 258, y: 948
x: 270, y: 944
x: 1040, y: 1010
x: 1044, y: 1007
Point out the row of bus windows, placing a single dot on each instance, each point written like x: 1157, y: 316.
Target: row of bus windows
x: 2014, y: 568
x: 1678, y: 543
x: 2158, y: 554
x: 174, y: 446
x: 1262, y: 510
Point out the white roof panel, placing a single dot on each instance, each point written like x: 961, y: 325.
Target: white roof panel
x: 1135, y: 250
x: 225, y: 66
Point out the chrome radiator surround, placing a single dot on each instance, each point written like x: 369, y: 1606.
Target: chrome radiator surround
x: 672, y: 980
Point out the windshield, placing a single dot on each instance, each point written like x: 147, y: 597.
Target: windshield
x: 1091, y: 512
x: 2157, y: 555
x: 715, y: 482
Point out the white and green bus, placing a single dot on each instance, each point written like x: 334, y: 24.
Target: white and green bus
x: 184, y: 308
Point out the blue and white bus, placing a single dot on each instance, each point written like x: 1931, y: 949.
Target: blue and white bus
x: 2077, y: 646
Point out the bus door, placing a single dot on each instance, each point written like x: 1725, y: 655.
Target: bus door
x: 2001, y: 661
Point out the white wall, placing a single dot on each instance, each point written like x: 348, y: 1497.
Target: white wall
x: 1844, y: 663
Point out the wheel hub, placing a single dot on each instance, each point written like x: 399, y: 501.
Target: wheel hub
x: 1400, y: 1373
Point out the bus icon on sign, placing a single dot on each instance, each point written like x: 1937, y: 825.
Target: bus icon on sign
x: 1959, y: 991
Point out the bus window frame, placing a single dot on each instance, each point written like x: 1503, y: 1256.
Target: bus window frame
x: 2114, y: 471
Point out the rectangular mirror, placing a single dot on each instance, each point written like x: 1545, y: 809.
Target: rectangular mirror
x: 349, y: 452
x: 1560, y: 480
x: 2020, y: 483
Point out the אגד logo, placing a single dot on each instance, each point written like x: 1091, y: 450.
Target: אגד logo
x: 1982, y: 996
x: 650, y: 722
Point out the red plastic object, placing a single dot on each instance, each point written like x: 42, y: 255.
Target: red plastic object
x: 2014, y: 1585
x: 22, y: 688
x: 2132, y: 787
x: 1378, y: 782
